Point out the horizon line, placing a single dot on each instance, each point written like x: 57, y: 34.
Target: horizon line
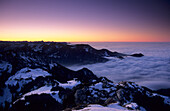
x: 75, y: 41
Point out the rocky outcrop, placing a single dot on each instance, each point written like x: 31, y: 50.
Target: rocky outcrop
x: 129, y: 92
x: 42, y: 89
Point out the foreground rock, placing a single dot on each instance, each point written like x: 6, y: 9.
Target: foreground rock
x: 58, y: 88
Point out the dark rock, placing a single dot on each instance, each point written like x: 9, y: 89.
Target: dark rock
x: 37, y: 103
x: 165, y: 92
x: 64, y: 74
x: 80, y: 97
x: 130, y: 92
x: 109, y: 100
x: 137, y: 55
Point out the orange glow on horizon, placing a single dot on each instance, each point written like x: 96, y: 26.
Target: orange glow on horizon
x: 78, y: 33
x: 80, y: 36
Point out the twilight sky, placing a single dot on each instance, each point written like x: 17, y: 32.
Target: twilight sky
x: 85, y: 20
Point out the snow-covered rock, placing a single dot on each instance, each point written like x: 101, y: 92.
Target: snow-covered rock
x: 44, y: 90
x: 96, y: 107
x: 70, y: 84
x: 25, y: 76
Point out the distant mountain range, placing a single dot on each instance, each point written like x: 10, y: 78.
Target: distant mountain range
x: 60, y: 52
x: 32, y: 78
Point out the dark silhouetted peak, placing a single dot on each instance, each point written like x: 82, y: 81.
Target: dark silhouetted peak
x: 85, y: 75
x: 86, y: 71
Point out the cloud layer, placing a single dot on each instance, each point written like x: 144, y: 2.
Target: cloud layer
x: 152, y: 70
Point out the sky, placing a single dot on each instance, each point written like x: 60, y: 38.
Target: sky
x: 85, y: 20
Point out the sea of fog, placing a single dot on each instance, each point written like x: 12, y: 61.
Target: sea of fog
x: 152, y: 70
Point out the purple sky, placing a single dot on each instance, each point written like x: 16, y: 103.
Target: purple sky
x: 109, y: 20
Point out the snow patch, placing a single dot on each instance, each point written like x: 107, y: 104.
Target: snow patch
x: 44, y: 90
x: 115, y: 105
x: 55, y: 95
x: 93, y: 80
x: 70, y: 84
x: 111, y: 107
x: 132, y: 106
x: 99, y: 86
x: 24, y: 76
